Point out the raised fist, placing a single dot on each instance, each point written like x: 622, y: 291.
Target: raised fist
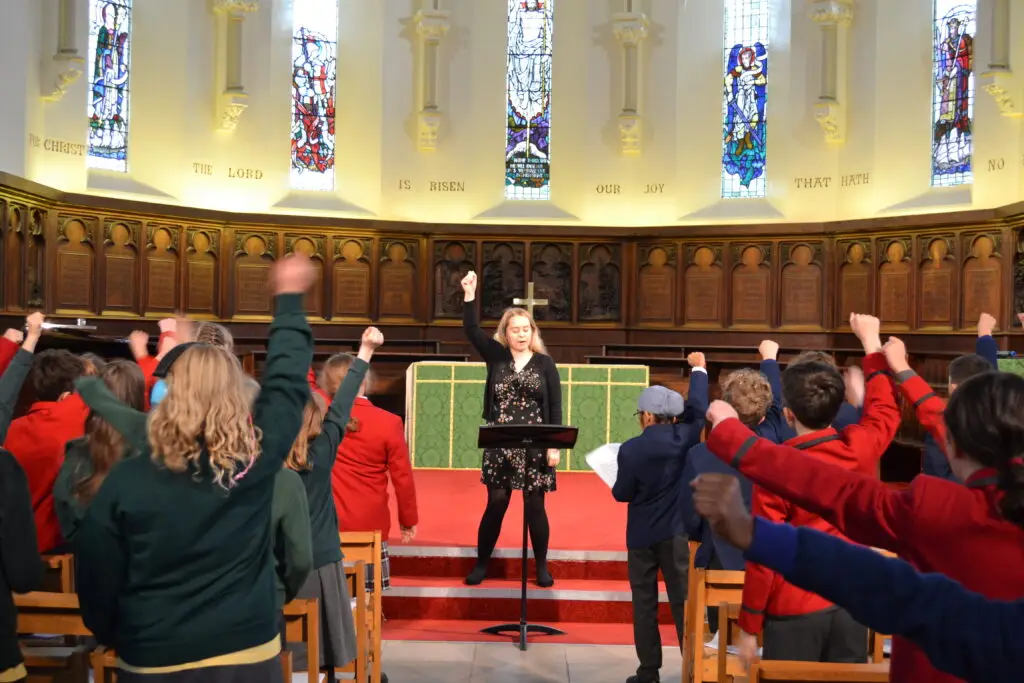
x: 372, y: 338
x: 294, y: 274
x: 719, y: 411
x: 168, y: 325
x: 469, y: 283
x: 986, y: 324
x: 15, y: 336
x: 864, y: 325
x: 696, y: 360
x: 896, y: 353
x: 768, y: 349
x: 138, y: 342
x: 718, y: 499
x: 34, y: 324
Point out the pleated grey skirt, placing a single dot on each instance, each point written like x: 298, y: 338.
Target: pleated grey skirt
x: 337, y: 630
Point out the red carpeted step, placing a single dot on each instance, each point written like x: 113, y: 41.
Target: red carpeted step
x: 468, y: 631
x: 571, y: 600
x: 506, y: 567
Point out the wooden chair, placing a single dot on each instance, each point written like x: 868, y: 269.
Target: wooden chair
x: 819, y: 671
x: 728, y: 615
x: 712, y: 587
x: 693, y: 623
x: 59, y: 573
x: 57, y: 614
x: 302, y: 625
x: 355, y: 574
x: 365, y: 546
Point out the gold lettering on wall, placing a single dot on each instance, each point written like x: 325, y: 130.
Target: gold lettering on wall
x: 654, y: 188
x: 609, y: 188
x: 996, y: 164
x: 199, y: 168
x: 56, y: 146
x: 855, y: 179
x: 245, y: 174
x: 447, y: 186
x: 813, y: 183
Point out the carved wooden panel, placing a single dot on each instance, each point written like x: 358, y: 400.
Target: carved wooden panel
x: 254, y: 254
x: 936, y: 283
x: 802, y: 279
x: 121, y: 265
x: 856, y: 281
x: 751, y: 284
x: 600, y: 282
x: 397, y: 274
x: 982, y: 277
x: 452, y: 260
x: 703, y: 288
x: 551, y: 273
x: 36, y: 266
x: 352, y: 288
x: 162, y: 268
x: 202, y: 265
x: 75, y: 269
x: 894, y: 281
x: 657, y: 283
x: 14, y: 238
x: 503, y: 277
x: 315, y: 247
x: 1018, y: 275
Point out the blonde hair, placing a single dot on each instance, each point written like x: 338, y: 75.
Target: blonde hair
x: 500, y: 336
x: 749, y: 392
x: 206, y: 409
x: 215, y: 335
x: 312, y: 425
x: 332, y: 373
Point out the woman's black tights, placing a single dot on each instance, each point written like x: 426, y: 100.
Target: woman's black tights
x: 490, y: 528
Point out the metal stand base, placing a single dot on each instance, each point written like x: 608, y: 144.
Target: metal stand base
x: 522, y: 630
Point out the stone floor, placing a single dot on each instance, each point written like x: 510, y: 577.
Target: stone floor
x: 420, y: 662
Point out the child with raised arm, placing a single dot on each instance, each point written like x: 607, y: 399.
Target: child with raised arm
x: 313, y: 458
x: 13, y: 374
x: 183, y: 530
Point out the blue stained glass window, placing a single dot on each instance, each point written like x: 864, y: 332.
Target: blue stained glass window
x: 314, y: 83
x: 528, y: 77
x: 955, y: 22
x: 110, y: 30
x: 744, y: 126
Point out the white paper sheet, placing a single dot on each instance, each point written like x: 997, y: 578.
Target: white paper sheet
x: 605, y: 461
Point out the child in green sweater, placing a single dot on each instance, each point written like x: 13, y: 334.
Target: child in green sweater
x: 175, y: 566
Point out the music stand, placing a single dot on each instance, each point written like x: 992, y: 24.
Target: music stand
x: 525, y: 436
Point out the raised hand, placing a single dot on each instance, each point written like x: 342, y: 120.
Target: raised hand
x: 168, y: 325
x: 138, y: 342
x: 867, y: 327
x: 986, y: 324
x: 768, y: 349
x: 896, y: 353
x: 469, y: 285
x: 293, y: 274
x: 13, y: 335
x: 371, y: 341
x: 718, y: 412
x: 33, y: 331
x: 696, y: 359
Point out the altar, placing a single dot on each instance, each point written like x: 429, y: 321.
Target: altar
x: 444, y: 404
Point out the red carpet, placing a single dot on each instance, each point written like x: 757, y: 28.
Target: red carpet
x: 582, y: 512
x: 591, y: 596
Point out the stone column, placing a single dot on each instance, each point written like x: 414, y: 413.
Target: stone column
x: 66, y: 66
x: 997, y: 79
x: 431, y: 26
x: 630, y: 29
x: 834, y: 18
x: 231, y: 101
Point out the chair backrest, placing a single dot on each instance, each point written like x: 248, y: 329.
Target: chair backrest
x: 367, y: 547
x: 59, y: 573
x: 52, y: 613
x: 302, y: 625
x: 713, y: 587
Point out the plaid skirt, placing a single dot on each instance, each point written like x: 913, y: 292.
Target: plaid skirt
x: 385, y: 570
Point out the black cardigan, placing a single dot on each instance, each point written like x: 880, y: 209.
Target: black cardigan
x: 21, y: 569
x: 496, y: 355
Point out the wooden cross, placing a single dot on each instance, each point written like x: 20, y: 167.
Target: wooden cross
x: 529, y: 301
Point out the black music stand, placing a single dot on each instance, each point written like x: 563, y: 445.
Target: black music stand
x: 525, y: 436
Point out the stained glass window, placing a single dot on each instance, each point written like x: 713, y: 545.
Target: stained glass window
x: 110, y: 30
x: 528, y: 77
x: 314, y: 81
x: 953, y: 91
x: 745, y: 96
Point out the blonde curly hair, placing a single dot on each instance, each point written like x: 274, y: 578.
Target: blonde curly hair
x: 206, y: 409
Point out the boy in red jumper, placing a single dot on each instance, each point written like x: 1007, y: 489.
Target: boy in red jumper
x: 798, y: 625
x: 37, y: 439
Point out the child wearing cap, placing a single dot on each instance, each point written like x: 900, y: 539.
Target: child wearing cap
x: 650, y: 479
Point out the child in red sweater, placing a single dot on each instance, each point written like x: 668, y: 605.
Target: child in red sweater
x: 798, y: 625
x: 935, y: 524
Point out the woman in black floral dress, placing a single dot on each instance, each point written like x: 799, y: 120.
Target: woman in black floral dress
x: 523, y: 387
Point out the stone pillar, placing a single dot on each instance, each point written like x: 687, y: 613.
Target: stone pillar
x: 231, y: 100
x: 997, y: 79
x: 630, y: 29
x: 66, y: 65
x: 834, y: 18
x: 431, y: 26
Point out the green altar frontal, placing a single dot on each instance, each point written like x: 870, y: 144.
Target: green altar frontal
x: 1012, y: 365
x: 444, y: 404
